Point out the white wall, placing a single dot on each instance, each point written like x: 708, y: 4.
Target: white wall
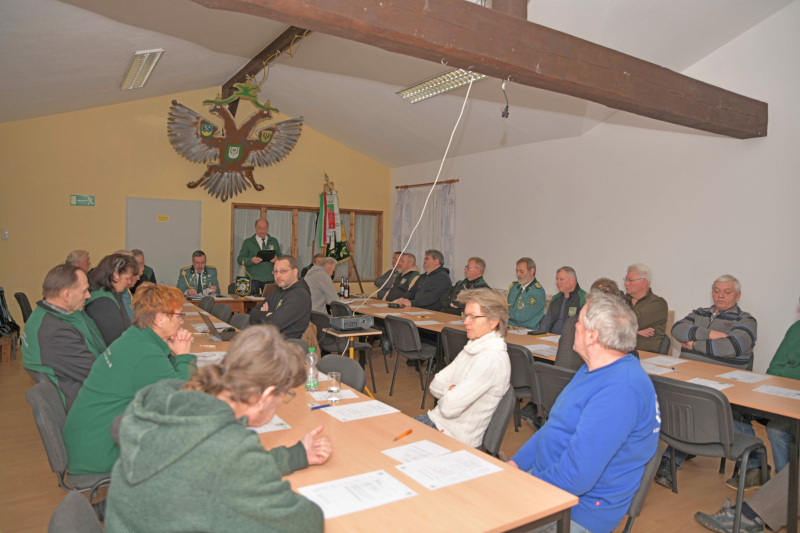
x: 690, y: 205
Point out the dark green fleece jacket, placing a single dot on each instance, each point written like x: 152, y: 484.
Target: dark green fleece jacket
x: 187, y: 464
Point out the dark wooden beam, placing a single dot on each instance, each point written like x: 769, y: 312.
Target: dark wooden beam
x: 256, y: 65
x: 515, y: 8
x: 465, y: 35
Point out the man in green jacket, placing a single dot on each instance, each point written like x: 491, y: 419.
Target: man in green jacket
x: 651, y: 310
x: 59, y: 339
x: 260, y: 271
x: 198, y: 278
x: 473, y: 279
x: 526, y: 297
x: 146, y: 274
x: 568, y: 302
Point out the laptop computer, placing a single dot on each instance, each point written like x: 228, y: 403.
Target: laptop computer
x: 224, y: 335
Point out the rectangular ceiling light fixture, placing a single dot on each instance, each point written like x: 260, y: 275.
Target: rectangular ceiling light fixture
x: 438, y: 84
x: 141, y: 66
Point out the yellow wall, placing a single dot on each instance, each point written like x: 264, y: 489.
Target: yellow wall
x: 122, y: 150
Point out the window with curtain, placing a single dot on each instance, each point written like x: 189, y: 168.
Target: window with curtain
x: 280, y: 227
x: 244, y: 221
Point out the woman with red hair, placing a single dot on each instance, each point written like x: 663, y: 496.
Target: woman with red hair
x: 154, y: 348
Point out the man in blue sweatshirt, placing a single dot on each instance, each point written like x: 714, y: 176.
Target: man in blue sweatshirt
x: 604, y: 426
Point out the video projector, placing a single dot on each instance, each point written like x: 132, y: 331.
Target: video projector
x: 351, y: 323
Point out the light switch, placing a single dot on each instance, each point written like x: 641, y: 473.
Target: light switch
x: 4, y: 234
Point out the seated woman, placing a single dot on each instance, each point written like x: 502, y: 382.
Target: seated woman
x: 155, y: 348
x: 185, y: 448
x: 470, y: 387
x: 106, y: 284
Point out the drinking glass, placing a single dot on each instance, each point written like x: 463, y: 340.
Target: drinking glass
x: 334, y: 386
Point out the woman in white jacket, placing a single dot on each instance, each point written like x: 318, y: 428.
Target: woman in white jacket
x: 470, y: 388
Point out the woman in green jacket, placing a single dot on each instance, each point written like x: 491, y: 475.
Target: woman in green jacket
x: 155, y: 348
x: 106, y: 284
x: 188, y: 461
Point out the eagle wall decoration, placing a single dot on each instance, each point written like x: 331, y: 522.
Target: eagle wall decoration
x: 231, y: 153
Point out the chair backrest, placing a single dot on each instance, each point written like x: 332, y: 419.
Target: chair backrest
x: 340, y: 309
x: 635, y: 508
x: 24, y: 305
x: 746, y: 364
x: 521, y: 361
x: 240, y: 321
x: 496, y: 429
x: 327, y: 342
x: 222, y: 311
x: 206, y: 303
x: 302, y: 344
x: 38, y: 377
x: 666, y: 345
x: 453, y: 341
x: 403, y: 334
x: 49, y: 415
x: 547, y: 382
x: 352, y: 373
x: 232, y: 288
x: 693, y: 414
x: 74, y: 515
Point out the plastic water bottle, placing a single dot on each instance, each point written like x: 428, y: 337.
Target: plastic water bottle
x: 312, y: 374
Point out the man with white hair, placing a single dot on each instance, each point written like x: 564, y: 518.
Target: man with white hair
x: 80, y: 259
x: 582, y: 449
x: 319, y: 283
x: 651, y: 310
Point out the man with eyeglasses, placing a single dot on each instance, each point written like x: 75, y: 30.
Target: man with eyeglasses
x: 651, y: 310
x: 198, y: 278
x: 526, y: 297
x: 288, y: 307
x: 473, y: 279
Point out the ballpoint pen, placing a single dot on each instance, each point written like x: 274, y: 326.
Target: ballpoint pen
x: 403, y: 435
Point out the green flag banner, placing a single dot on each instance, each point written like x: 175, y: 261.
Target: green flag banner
x: 332, y: 237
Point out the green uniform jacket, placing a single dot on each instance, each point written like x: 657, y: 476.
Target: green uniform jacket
x: 526, y: 308
x: 148, y: 276
x: 786, y: 362
x: 208, y: 278
x: 137, y: 359
x: 651, y: 312
x: 450, y: 297
x: 187, y: 464
x: 263, y: 270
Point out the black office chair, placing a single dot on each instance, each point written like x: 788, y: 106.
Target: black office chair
x: 24, y: 305
x: 340, y: 309
x: 339, y: 345
x: 38, y: 377
x: 74, y: 515
x: 666, y: 345
x: 222, y: 312
x: 404, y: 336
x: 496, y: 429
x: 453, y: 341
x: 240, y: 321
x: 547, y: 382
x: 351, y: 372
x: 232, y: 289
x: 301, y: 343
x: 206, y: 303
x: 521, y: 361
x: 635, y: 508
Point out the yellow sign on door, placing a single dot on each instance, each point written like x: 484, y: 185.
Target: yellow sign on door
x: 163, y: 218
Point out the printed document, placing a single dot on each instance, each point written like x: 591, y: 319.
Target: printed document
x: 344, y: 394
x: 445, y: 470
x: 415, y: 451
x: 543, y: 349
x: 276, y: 424
x: 779, y: 391
x: 426, y: 322
x: 655, y: 369
x: 356, y: 493
x: 357, y: 411
x: 663, y: 360
x: 744, y: 377
x: 709, y: 383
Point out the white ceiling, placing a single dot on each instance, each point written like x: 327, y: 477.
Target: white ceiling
x: 61, y: 56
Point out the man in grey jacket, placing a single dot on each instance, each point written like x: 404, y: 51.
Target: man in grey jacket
x: 381, y: 282
x: 319, y: 283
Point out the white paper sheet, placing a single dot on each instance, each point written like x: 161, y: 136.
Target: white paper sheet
x: 379, y: 305
x: 744, y: 377
x: 543, y: 349
x: 655, y: 369
x: 778, y: 391
x: 202, y: 328
x: 445, y: 470
x: 360, y: 410
x: 258, y: 298
x: 426, y: 322
x: 663, y: 360
x: 209, y: 358
x: 188, y: 305
x: 387, y: 314
x: 552, y: 338
x: 356, y: 493
x: 709, y: 383
x: 419, y: 313
x: 344, y: 394
x: 457, y: 322
x: 276, y: 424
x: 518, y: 331
x: 415, y: 451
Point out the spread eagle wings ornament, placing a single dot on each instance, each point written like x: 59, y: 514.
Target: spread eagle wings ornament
x: 231, y: 152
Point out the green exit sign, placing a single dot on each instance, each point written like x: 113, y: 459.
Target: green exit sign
x: 81, y: 199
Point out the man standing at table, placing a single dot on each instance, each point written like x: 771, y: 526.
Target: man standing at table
x: 429, y: 288
x: 724, y: 333
x: 651, y: 310
x: 198, y: 278
x: 260, y: 271
x: 526, y: 297
x: 288, y: 307
x: 384, y: 282
x: 566, y: 303
x: 604, y: 427
x: 473, y: 279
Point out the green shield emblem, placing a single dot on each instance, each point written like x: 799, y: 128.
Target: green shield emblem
x: 234, y: 152
x: 242, y: 285
x: 206, y: 129
x: 572, y: 311
x: 266, y: 136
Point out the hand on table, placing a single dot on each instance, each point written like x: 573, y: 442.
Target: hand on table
x: 403, y: 302
x: 180, y: 343
x: 454, y: 306
x: 717, y: 335
x: 317, y: 451
x: 191, y: 292
x: 649, y: 332
x: 688, y: 345
x: 256, y: 260
x: 512, y: 463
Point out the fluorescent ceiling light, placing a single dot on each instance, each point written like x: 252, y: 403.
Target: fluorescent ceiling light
x: 438, y: 84
x: 141, y: 66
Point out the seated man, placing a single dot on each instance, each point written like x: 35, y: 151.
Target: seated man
x: 429, y: 288
x: 470, y: 387
x: 146, y: 274
x: 409, y: 274
x: 80, y: 259
x: 584, y: 450
x: 320, y: 284
x: 473, y: 279
x: 566, y: 303
x: 288, y: 307
x: 260, y: 271
x: 59, y: 339
x: 526, y: 297
x: 722, y: 332
x: 315, y: 261
x: 198, y: 278
x: 384, y: 282
x: 651, y: 310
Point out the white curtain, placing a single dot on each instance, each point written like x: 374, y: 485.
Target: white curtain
x: 306, y: 231
x: 244, y: 221
x: 365, y: 246
x: 437, y: 228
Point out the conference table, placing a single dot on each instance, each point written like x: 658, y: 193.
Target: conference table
x: 236, y: 302
x: 506, y: 500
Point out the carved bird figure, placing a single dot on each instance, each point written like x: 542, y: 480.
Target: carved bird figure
x: 231, y: 152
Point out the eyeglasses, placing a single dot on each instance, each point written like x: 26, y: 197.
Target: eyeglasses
x: 182, y: 315
x: 281, y: 272
x: 288, y: 395
x: 470, y: 266
x: 626, y: 280
x: 472, y: 318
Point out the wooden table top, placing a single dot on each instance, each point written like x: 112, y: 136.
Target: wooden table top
x: 333, y: 332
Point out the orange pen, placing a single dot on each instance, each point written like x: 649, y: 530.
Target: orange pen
x: 403, y: 435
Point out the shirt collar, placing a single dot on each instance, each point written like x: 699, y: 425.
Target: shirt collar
x: 54, y: 307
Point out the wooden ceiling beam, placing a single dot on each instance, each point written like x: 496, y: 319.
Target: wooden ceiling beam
x: 465, y: 35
